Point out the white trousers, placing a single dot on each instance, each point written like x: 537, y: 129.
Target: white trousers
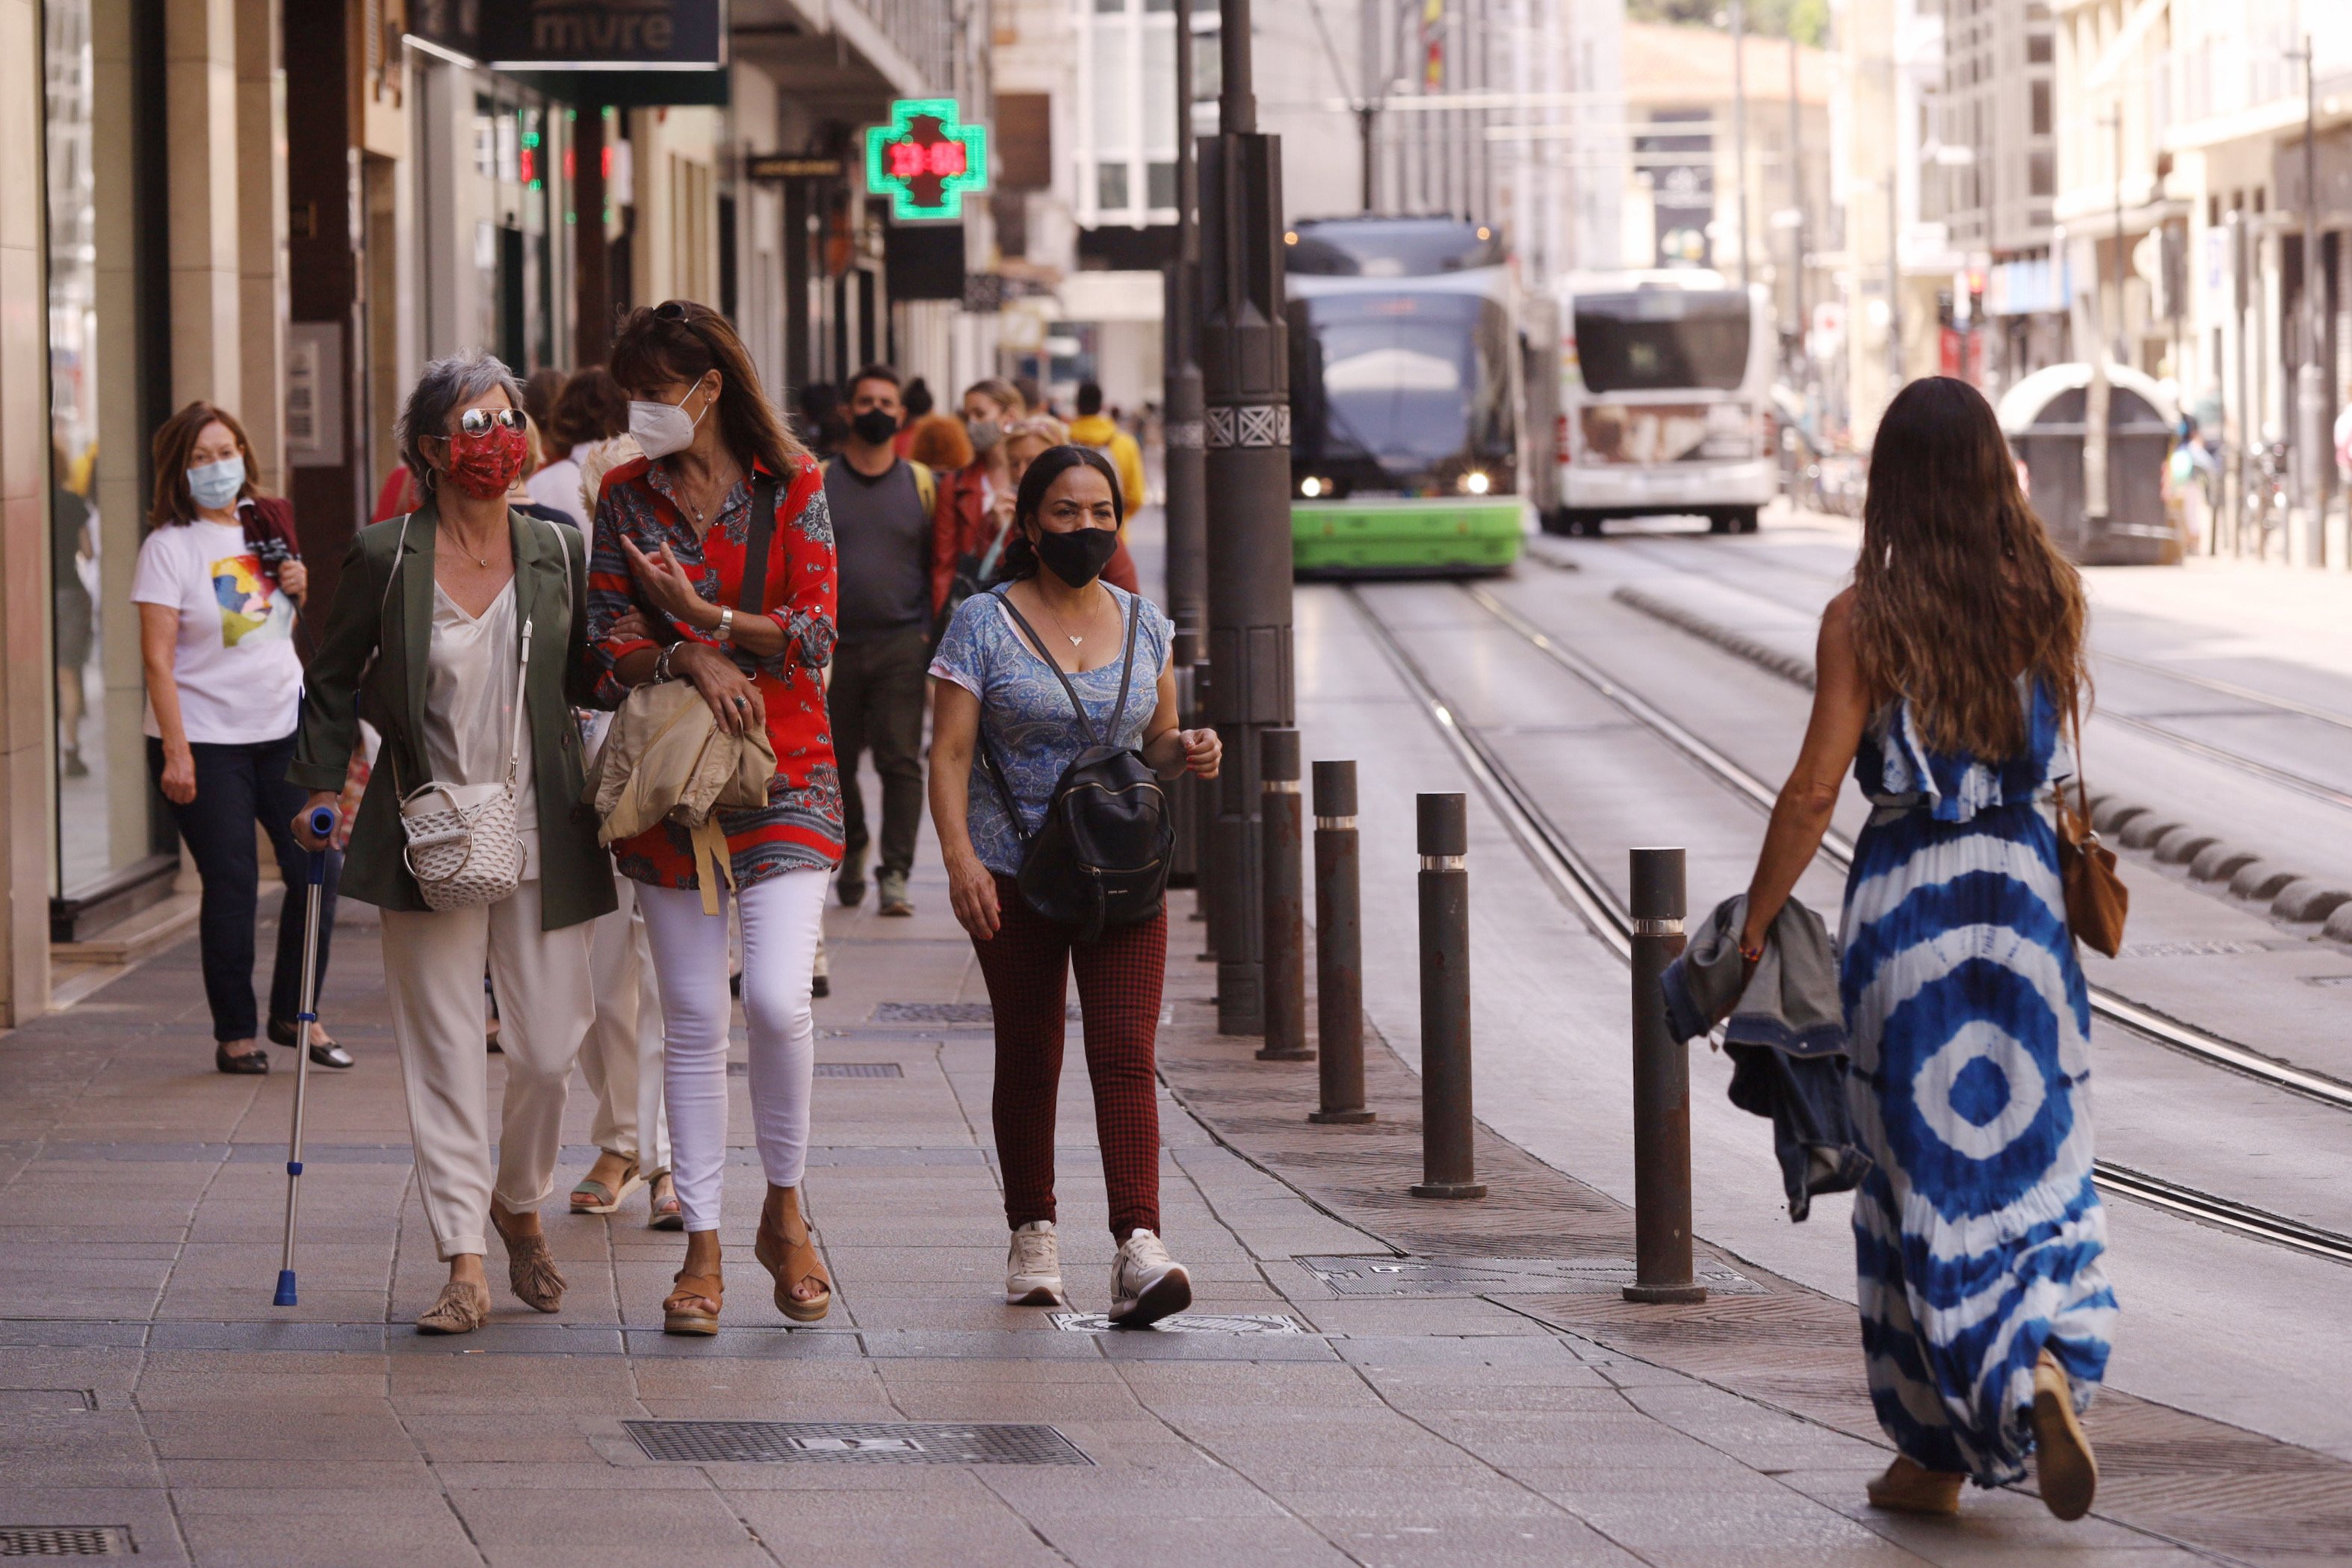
x: 780, y: 917
x: 621, y: 1062
x: 433, y: 969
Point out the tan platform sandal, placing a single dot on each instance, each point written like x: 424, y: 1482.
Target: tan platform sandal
x: 682, y: 1310
x: 593, y: 1197
x: 461, y: 1308
x: 531, y: 1273
x: 1908, y: 1487
x: 2064, y: 1465
x: 792, y: 1260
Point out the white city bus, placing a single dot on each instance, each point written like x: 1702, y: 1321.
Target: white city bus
x: 1665, y: 400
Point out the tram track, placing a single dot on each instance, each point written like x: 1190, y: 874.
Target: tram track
x: 1683, y: 560
x: 1554, y: 856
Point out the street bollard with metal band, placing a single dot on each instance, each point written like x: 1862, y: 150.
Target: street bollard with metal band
x: 1662, y: 1160
x: 1447, y: 1166
x: 1281, y: 810
x: 1339, y: 948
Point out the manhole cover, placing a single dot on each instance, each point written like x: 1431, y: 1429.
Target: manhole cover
x: 853, y: 1442
x: 1187, y: 1323
x: 1381, y: 1276
x: 64, y: 1541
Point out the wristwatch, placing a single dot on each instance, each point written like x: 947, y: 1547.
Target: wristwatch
x: 726, y: 633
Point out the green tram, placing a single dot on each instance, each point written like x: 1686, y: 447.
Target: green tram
x: 1407, y: 392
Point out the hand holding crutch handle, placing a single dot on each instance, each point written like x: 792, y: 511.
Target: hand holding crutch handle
x: 322, y: 823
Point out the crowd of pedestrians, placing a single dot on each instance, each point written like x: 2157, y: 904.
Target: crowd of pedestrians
x: 558, y: 572
x: 607, y: 672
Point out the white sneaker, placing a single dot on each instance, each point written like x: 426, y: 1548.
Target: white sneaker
x: 1146, y: 1284
x: 1032, y: 1269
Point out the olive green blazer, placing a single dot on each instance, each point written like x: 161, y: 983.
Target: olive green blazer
x: 372, y: 650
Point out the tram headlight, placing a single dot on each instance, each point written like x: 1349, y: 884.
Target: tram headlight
x: 1476, y: 483
x: 1310, y: 487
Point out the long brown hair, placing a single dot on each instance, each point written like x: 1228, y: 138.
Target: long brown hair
x: 1958, y: 588
x: 680, y: 341
x: 175, y: 440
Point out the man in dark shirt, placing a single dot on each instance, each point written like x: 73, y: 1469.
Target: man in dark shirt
x: 885, y: 509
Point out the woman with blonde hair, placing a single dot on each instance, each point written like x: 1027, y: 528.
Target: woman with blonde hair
x: 1949, y: 674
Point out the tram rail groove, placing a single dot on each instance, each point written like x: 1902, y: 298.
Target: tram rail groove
x: 1581, y: 887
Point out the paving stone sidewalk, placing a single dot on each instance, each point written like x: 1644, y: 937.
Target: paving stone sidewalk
x: 1361, y: 1410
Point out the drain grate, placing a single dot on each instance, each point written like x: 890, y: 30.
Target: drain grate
x: 853, y: 1442
x: 1384, y: 1276
x: 1187, y: 1323
x: 64, y: 1541
x: 971, y: 1013
x: 834, y: 1070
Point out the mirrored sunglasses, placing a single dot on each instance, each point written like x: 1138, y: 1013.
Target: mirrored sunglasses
x: 478, y: 420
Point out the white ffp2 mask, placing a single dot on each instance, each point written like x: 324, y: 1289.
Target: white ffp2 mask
x: 662, y: 428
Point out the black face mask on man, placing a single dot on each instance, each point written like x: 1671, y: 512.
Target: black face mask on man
x: 875, y: 426
x: 1079, y: 556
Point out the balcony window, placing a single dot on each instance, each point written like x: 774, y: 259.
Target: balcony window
x: 1110, y: 187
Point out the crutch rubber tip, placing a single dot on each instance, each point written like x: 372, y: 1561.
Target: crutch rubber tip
x: 285, y: 1297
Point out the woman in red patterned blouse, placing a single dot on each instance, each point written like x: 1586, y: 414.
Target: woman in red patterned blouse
x: 665, y: 602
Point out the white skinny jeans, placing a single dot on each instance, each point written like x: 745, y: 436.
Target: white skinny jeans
x: 780, y: 917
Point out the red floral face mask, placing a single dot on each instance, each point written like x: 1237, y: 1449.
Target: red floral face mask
x: 485, y: 466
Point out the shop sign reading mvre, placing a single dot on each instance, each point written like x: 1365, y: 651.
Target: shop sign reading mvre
x: 925, y: 159
x: 604, y: 34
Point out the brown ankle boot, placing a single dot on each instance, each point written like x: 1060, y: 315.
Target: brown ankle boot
x: 1908, y: 1487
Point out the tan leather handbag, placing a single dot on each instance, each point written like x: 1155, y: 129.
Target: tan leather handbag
x: 2096, y: 900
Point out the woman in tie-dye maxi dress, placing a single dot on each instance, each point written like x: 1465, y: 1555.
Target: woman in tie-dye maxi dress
x: 1986, y: 1312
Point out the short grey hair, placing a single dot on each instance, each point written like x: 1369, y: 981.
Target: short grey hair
x: 447, y: 385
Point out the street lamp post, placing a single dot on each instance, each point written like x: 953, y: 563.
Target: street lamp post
x: 1245, y: 371
x: 1185, y: 520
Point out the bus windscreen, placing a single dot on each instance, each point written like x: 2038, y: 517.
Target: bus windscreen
x: 1406, y: 381
x: 1662, y: 339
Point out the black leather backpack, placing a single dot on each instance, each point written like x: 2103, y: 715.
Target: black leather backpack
x: 1101, y: 858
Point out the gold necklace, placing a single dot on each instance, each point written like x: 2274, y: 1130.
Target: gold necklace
x: 1048, y: 607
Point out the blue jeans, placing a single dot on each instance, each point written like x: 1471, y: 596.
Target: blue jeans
x: 238, y: 785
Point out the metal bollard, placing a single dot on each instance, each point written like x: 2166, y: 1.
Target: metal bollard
x: 1447, y: 1166
x: 1662, y: 1167
x: 1281, y: 810
x: 1339, y: 948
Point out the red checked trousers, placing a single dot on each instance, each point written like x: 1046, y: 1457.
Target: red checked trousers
x: 1027, y: 964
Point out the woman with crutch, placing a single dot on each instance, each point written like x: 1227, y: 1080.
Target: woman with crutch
x: 464, y: 623
x: 714, y: 564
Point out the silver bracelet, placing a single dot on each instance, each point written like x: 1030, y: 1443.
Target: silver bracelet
x: 726, y: 629
x: 661, y: 663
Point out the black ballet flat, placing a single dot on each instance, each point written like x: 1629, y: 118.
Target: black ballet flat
x: 254, y: 1061
x: 324, y: 1053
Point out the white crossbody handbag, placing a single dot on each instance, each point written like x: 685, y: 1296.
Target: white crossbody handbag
x: 463, y: 845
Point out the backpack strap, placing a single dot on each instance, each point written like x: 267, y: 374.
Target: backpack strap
x: 1127, y: 665
x: 1085, y: 719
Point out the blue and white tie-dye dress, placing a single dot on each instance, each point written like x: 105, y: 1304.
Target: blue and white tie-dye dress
x: 1978, y: 1234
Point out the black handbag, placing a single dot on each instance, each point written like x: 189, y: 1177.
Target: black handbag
x: 1100, y: 859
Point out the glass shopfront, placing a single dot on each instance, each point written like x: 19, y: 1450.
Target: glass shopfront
x: 106, y: 291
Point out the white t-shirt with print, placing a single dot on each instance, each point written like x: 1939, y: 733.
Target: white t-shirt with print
x: 239, y: 680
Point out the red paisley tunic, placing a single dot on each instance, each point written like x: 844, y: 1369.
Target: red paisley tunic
x: 801, y: 825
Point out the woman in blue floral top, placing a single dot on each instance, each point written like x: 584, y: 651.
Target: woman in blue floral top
x: 992, y: 683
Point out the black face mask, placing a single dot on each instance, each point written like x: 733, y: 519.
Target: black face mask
x: 1079, y: 556
x: 875, y: 426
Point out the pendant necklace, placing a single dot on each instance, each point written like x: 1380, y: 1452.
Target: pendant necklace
x: 1064, y: 631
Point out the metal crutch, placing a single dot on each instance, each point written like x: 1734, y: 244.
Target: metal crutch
x: 323, y: 824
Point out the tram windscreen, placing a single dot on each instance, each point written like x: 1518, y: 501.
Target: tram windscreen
x: 1662, y: 339
x: 1408, y: 381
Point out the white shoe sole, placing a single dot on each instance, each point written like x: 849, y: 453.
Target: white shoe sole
x: 1163, y: 1298
x: 1034, y: 1296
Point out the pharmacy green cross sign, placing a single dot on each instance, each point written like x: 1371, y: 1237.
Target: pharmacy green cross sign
x: 925, y: 159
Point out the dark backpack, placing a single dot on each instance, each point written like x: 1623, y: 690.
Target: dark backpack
x: 1101, y: 858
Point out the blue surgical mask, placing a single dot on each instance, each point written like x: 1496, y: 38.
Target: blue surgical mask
x: 215, y: 485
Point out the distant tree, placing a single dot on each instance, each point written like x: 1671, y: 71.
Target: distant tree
x: 1808, y: 19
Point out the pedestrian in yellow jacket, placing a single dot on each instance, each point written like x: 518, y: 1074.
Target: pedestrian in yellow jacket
x: 1096, y: 429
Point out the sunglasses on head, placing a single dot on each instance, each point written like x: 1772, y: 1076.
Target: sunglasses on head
x: 670, y: 310
x: 479, y: 421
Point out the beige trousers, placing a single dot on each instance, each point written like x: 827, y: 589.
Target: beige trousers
x: 622, y: 1061
x: 433, y: 969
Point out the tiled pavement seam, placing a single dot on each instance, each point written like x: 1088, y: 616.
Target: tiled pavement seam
x: 1404, y: 1431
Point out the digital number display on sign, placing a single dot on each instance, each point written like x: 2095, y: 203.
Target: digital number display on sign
x: 925, y: 159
